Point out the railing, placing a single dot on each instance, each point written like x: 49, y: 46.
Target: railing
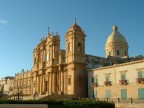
x: 123, y: 82
x: 94, y: 85
x: 119, y: 100
x: 107, y: 83
x: 140, y: 80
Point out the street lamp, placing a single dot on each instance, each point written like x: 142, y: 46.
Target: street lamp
x: 17, y: 96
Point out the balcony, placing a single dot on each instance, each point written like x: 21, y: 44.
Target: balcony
x: 140, y: 80
x: 107, y: 83
x: 123, y: 82
x: 94, y: 85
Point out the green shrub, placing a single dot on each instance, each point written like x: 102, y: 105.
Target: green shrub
x: 64, y: 104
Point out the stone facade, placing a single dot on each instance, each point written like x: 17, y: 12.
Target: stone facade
x: 72, y: 72
x: 57, y: 71
x: 116, y: 45
x: 6, y: 85
x: 122, y: 81
x: 23, y: 83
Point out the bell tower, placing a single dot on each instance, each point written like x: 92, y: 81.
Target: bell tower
x: 75, y: 60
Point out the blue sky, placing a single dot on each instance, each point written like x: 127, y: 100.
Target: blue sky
x: 24, y: 22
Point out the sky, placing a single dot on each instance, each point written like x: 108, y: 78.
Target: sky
x: 24, y: 22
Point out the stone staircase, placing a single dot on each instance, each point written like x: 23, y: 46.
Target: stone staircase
x: 45, y: 97
x: 29, y: 97
x: 57, y: 97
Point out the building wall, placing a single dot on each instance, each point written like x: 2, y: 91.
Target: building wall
x: 23, y: 83
x: 6, y: 84
x: 130, y: 69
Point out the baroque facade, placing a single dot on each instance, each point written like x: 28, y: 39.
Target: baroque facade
x: 57, y: 71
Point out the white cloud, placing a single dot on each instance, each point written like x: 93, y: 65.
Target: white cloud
x: 3, y: 21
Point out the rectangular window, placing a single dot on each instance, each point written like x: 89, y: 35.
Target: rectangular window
x: 125, y: 53
x: 92, y: 79
x: 141, y: 93
x: 95, y: 94
x: 107, y: 78
x: 95, y: 80
x: 118, y: 52
x: 140, y: 74
x: 123, y: 76
x: 107, y: 94
x: 123, y: 93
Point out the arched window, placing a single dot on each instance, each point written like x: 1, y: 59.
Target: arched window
x: 69, y: 81
x: 125, y: 53
x: 69, y: 47
x: 118, y: 53
x: 47, y: 55
x: 79, y: 46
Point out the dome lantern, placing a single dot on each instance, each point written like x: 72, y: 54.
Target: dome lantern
x: 115, y: 28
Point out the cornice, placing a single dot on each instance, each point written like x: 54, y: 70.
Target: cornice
x: 116, y: 65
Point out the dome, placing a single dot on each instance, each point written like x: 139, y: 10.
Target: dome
x: 116, y: 37
x: 116, y: 45
x: 75, y: 27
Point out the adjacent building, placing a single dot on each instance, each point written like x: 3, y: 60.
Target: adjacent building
x: 6, y: 85
x: 120, y: 80
x: 117, y: 81
x: 23, y: 83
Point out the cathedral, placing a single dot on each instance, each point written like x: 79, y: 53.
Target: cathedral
x: 72, y: 72
x: 57, y: 71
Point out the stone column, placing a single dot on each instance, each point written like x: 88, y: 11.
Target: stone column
x: 53, y: 83
x: 43, y: 84
x: 59, y: 82
x: 31, y: 83
x: 50, y: 83
x: 47, y: 84
x: 61, y: 87
x: 40, y: 83
x: 36, y: 82
x: 64, y: 82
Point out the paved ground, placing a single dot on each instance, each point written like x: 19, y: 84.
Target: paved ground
x: 29, y: 97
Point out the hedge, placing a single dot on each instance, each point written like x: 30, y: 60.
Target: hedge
x: 64, y: 103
